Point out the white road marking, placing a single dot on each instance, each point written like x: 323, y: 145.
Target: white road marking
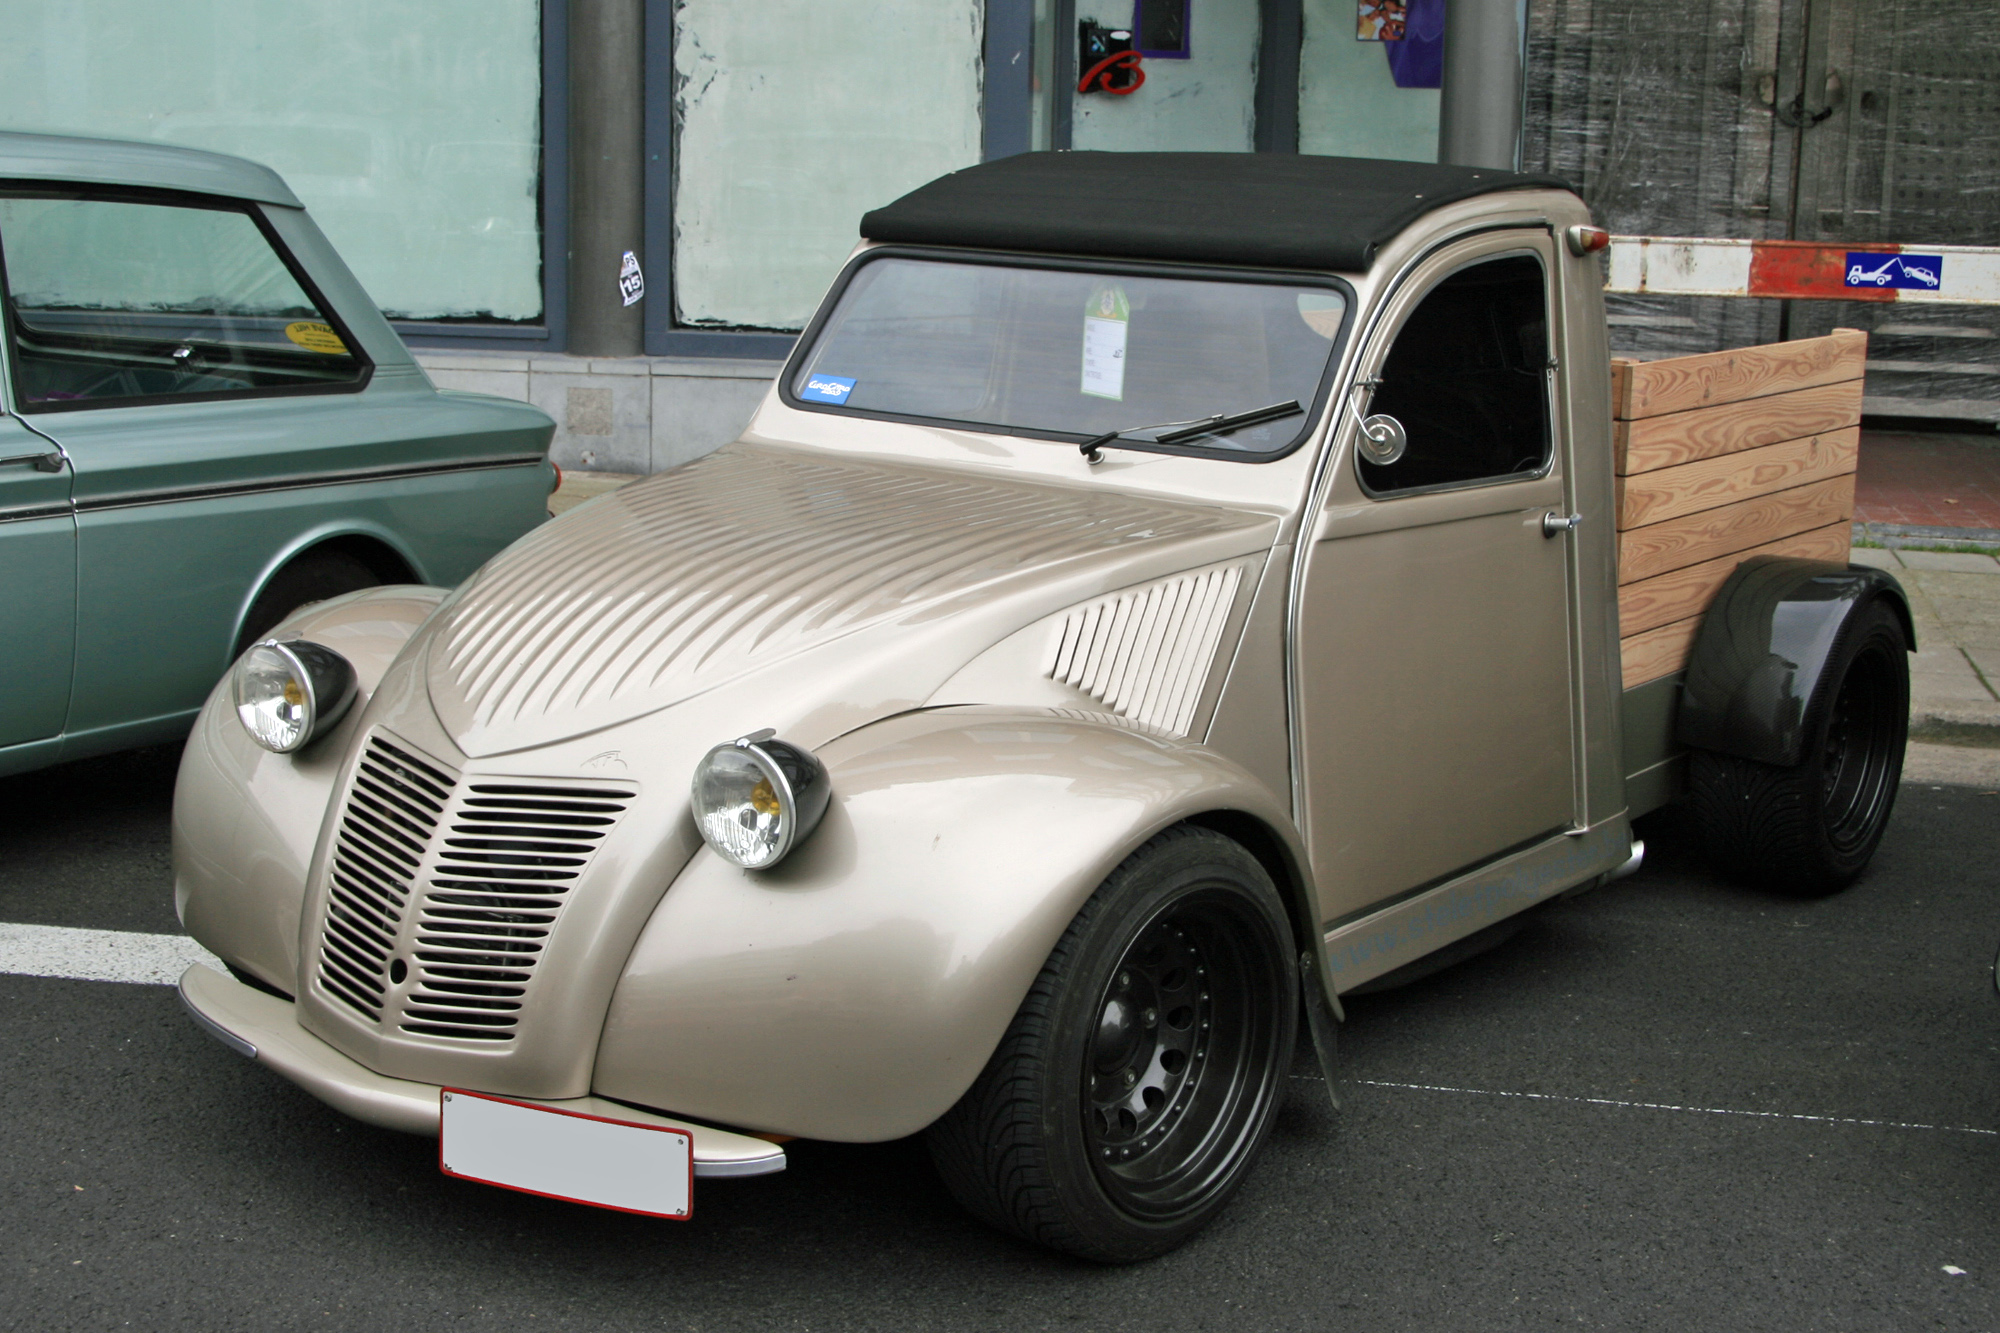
x: 1670, y: 1106
x: 99, y: 955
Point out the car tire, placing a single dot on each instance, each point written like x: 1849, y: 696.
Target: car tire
x: 312, y: 577
x: 1810, y: 828
x: 1131, y: 1093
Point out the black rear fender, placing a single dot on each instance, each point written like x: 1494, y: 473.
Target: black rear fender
x: 1763, y: 647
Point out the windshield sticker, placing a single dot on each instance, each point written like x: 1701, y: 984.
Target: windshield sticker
x: 1105, y: 320
x: 316, y: 337
x: 826, y: 389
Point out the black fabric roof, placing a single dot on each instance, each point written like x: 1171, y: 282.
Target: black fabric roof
x: 1287, y: 210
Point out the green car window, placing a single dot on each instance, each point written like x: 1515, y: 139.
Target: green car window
x: 113, y: 301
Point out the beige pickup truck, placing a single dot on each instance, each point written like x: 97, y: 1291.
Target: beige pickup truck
x: 1161, y: 593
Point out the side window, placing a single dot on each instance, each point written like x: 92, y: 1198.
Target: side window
x: 112, y: 301
x: 1467, y: 377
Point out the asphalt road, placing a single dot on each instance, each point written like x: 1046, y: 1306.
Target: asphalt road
x: 1666, y: 1104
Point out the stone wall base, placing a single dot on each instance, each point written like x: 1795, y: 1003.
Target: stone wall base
x: 637, y: 414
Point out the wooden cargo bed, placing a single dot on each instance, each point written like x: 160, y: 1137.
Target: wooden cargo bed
x: 1721, y: 457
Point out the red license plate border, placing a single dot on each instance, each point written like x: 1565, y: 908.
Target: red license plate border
x: 688, y: 1135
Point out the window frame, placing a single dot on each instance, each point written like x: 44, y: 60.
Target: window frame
x: 552, y: 196
x: 1379, y: 355
x: 19, y: 189
x: 1315, y: 410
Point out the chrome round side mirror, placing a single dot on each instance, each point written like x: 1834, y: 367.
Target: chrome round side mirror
x: 1383, y: 439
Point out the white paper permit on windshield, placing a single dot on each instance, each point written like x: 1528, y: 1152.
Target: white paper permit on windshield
x: 1105, y: 320
x: 616, y: 1164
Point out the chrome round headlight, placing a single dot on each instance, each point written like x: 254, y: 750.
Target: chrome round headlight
x: 756, y: 798
x: 288, y: 693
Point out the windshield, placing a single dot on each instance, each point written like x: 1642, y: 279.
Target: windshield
x: 1071, y: 352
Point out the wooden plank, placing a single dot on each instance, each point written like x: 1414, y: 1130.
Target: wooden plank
x: 1657, y: 652
x: 1621, y: 370
x: 1680, y: 593
x: 1677, y: 543
x: 1709, y: 432
x: 1670, y: 492
x: 1682, y: 383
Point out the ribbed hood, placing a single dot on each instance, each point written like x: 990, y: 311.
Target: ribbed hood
x: 673, y: 585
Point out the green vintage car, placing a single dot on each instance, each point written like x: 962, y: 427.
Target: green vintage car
x: 205, y: 423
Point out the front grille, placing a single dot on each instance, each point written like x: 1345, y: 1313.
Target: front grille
x: 510, y: 852
x: 392, y: 812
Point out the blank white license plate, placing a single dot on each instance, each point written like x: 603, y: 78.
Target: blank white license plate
x: 633, y: 1168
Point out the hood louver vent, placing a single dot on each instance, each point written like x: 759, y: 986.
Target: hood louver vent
x: 1146, y: 654
x: 392, y: 811
x: 510, y: 854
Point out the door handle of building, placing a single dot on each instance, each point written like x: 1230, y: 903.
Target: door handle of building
x: 41, y: 462
x: 1553, y: 523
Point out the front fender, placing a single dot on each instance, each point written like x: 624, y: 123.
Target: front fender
x: 245, y: 820
x: 853, y: 992
x: 1764, y: 644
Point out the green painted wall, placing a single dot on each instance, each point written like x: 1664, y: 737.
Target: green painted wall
x: 1348, y: 104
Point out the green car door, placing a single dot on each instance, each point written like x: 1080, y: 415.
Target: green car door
x: 244, y: 435
x: 37, y: 586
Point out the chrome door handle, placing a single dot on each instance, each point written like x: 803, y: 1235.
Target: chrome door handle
x: 1553, y: 523
x: 42, y: 462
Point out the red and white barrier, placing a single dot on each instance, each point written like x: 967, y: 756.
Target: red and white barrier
x: 1805, y: 270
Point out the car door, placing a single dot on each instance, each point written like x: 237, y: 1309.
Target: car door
x: 1433, y: 641
x: 192, y: 375
x: 37, y: 587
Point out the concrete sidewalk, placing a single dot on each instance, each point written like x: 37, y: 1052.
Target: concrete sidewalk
x: 1954, y: 706
x: 1955, y: 600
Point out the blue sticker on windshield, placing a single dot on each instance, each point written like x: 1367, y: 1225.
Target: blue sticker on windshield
x: 826, y: 389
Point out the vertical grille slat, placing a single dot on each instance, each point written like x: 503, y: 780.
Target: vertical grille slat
x: 462, y: 879
x: 392, y: 811
x: 500, y: 873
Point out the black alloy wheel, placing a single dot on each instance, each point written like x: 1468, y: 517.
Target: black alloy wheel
x: 1135, y: 1085
x: 1869, y: 718
x: 1812, y: 827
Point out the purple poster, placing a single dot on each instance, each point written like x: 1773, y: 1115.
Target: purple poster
x: 1418, y: 60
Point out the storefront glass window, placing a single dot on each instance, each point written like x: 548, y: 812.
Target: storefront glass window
x: 1352, y: 101
x: 1205, y: 103
x: 792, y: 120
x: 412, y: 131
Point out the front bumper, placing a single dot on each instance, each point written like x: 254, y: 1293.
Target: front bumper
x: 266, y: 1029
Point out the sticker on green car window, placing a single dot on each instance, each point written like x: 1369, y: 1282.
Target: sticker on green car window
x: 316, y: 337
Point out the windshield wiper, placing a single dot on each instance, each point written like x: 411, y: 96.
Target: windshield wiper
x: 1220, y: 424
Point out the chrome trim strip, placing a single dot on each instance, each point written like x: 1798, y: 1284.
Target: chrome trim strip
x: 213, y: 1028
x: 23, y: 513
x: 304, y: 481
x: 754, y: 1166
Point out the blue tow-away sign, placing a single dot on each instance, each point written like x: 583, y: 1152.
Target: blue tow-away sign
x: 1922, y: 273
